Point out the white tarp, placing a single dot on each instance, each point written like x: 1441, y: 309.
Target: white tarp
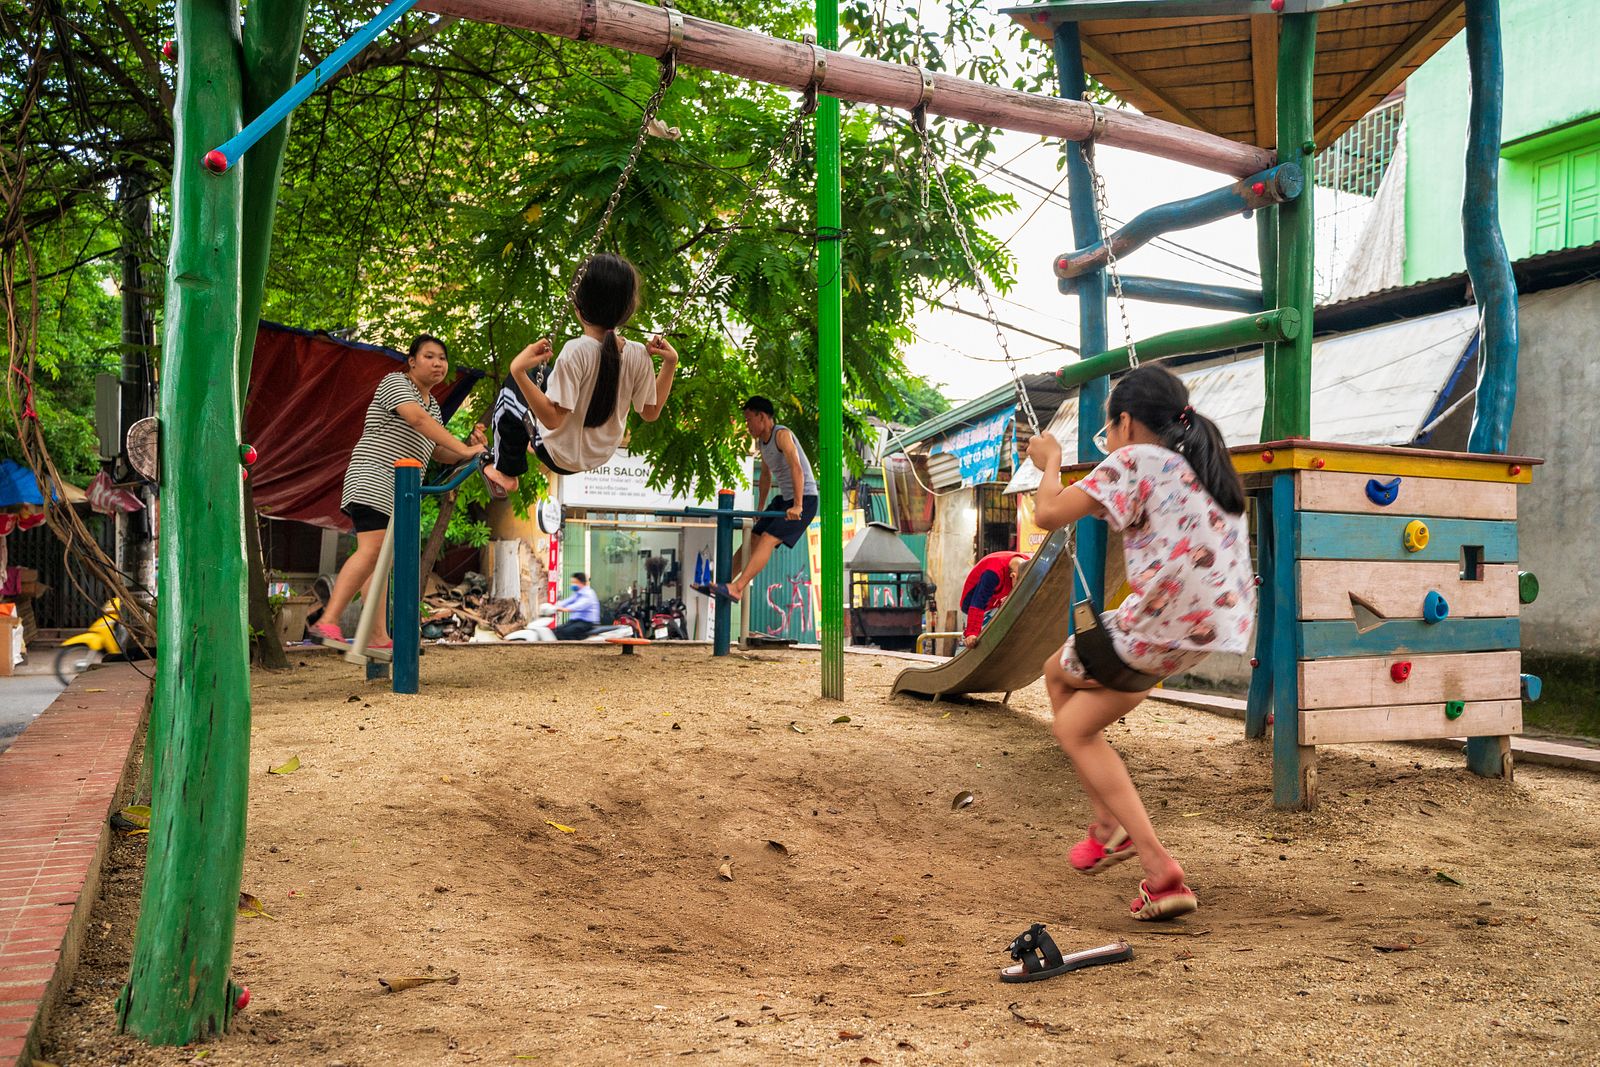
x: 1371, y: 387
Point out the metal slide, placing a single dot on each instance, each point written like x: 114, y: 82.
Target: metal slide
x: 1010, y: 655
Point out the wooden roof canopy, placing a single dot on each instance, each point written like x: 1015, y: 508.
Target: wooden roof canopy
x: 1213, y: 64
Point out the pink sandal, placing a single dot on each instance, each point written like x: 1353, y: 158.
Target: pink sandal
x: 1167, y: 904
x: 1091, y: 856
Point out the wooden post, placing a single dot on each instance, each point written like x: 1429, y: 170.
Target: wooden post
x: 179, y: 990
x: 646, y: 30
x: 1258, y: 706
x: 1090, y: 533
x: 1294, y: 766
x: 1288, y: 365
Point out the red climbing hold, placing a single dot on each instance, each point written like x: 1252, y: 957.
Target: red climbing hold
x: 1266, y: 457
x: 1318, y: 463
x: 1254, y: 663
x: 1399, y: 672
x: 1515, y: 470
x: 1276, y: 5
x: 215, y: 161
x: 1259, y: 188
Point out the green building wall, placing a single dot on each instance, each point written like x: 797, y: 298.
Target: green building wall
x: 1550, y: 163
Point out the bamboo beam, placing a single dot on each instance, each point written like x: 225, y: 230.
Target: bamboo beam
x: 1281, y: 324
x: 1355, y: 103
x: 639, y: 28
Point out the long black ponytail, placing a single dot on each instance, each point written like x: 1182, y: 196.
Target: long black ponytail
x: 607, y: 297
x: 1158, y: 398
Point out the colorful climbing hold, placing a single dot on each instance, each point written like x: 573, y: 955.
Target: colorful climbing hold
x: 1383, y: 493
x: 1454, y: 709
x: 1435, y: 607
x: 1266, y: 456
x: 1254, y: 663
x: 1399, y: 672
x: 1514, y: 470
x: 1277, y: 6
x: 1415, y: 537
x: 1317, y: 463
x: 1532, y: 687
x: 1527, y: 587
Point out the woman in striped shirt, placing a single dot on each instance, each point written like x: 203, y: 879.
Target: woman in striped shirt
x: 403, y: 422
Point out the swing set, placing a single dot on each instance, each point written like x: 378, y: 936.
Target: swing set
x: 1316, y: 525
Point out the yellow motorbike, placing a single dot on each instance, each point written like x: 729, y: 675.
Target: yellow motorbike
x: 104, y: 639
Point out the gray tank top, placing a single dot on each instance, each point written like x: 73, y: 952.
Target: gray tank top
x: 777, y: 465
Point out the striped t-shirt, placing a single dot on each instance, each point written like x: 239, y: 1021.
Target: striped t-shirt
x: 386, y: 437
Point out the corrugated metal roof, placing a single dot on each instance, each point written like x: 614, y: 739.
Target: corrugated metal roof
x: 1373, y: 387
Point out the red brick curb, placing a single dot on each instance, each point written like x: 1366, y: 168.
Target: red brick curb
x: 59, y: 782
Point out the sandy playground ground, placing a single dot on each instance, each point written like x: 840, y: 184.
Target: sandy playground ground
x: 1420, y: 915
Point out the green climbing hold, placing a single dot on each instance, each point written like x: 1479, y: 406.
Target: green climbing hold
x: 1454, y: 709
x: 1527, y: 587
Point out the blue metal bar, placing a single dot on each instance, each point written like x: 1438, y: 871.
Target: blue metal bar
x: 1487, y: 263
x: 1189, y: 294
x: 407, y: 628
x: 226, y: 155
x: 1273, y: 186
x: 454, y: 476
x: 1089, y: 541
x: 722, y: 613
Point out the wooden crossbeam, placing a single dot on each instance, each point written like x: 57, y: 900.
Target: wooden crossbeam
x: 1155, y: 98
x: 647, y: 30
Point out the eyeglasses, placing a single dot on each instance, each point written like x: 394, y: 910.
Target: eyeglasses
x: 1100, y: 440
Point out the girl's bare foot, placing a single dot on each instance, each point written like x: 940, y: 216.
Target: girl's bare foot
x: 502, y: 482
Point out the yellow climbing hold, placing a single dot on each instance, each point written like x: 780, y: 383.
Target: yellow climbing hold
x: 1415, y: 537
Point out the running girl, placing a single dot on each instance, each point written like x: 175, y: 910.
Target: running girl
x: 1171, y: 490
x: 598, y: 377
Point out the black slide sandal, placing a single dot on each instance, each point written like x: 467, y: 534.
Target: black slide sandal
x: 1036, y: 951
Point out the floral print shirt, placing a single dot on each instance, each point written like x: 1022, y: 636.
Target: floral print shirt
x: 1188, y: 560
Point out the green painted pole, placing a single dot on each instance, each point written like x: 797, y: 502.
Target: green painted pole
x: 199, y: 736
x: 1267, y: 255
x: 830, y: 372
x: 1288, y: 364
x: 272, y: 36
x: 1281, y: 324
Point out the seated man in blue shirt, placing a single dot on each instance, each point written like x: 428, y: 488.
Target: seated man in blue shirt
x: 582, y: 609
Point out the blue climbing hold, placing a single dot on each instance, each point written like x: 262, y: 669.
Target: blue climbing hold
x: 1435, y: 607
x: 1383, y: 493
x: 1532, y: 686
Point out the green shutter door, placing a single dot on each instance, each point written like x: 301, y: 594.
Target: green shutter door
x: 1550, y: 205
x: 1583, y: 200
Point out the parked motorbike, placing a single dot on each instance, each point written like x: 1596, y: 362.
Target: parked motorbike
x: 105, y: 639
x: 670, y: 622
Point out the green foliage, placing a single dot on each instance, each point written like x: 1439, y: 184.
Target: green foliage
x: 451, y: 177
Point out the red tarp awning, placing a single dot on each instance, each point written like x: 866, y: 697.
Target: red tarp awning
x: 308, y: 398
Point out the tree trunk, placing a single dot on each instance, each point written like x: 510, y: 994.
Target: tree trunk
x: 199, y: 735
x: 435, y: 545
x: 266, y: 650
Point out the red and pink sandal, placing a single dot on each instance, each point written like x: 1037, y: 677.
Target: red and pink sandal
x: 1091, y: 856
x: 1166, y: 904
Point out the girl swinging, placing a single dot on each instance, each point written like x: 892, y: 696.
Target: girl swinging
x: 577, y: 419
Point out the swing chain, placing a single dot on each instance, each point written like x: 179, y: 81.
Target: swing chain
x: 929, y: 167
x: 1101, y: 208
x: 669, y: 71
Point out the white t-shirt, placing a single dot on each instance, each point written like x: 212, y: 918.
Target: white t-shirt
x: 1188, y: 559
x: 572, y: 379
